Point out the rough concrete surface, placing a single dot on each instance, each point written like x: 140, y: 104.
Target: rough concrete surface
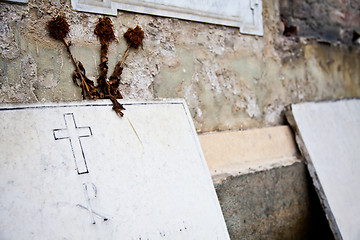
x: 230, y: 81
x: 277, y: 204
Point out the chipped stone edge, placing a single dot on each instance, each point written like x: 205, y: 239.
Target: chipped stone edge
x: 238, y: 171
x: 319, y: 190
x: 98, y: 102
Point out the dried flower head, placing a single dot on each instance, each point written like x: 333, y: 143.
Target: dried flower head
x: 58, y: 27
x: 134, y: 37
x: 104, y: 30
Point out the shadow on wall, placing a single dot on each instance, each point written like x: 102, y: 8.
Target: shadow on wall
x: 277, y: 204
x: 328, y: 21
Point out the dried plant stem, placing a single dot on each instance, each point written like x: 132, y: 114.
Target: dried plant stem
x: 125, y: 55
x: 118, y: 67
x: 103, y: 84
x: 76, y: 66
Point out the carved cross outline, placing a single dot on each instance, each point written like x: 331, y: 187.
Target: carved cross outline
x: 74, y: 134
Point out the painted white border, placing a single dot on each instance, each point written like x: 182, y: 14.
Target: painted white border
x: 249, y: 19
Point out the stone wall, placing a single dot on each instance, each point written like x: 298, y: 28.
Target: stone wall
x: 230, y: 81
x: 329, y: 21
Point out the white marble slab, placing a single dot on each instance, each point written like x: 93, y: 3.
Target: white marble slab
x: 245, y: 14
x: 328, y: 134
x: 79, y: 171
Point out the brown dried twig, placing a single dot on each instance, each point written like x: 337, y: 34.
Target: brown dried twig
x: 107, y: 89
x: 134, y: 38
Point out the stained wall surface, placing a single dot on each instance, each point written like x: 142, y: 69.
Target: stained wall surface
x: 229, y: 80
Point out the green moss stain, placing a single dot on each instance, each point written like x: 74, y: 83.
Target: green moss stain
x: 170, y: 81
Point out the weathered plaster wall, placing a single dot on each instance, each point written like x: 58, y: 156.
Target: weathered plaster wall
x: 229, y: 80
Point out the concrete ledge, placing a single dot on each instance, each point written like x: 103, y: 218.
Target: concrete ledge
x: 243, y: 152
x: 279, y: 203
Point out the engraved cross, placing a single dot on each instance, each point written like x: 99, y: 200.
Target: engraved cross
x: 74, y: 134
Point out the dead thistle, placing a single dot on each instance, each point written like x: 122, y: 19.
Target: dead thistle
x: 134, y: 38
x: 59, y: 29
x: 104, y: 30
x: 107, y: 89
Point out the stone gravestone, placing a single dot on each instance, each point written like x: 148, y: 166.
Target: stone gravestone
x: 328, y: 134
x: 79, y: 171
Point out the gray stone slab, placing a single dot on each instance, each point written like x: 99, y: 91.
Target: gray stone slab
x: 79, y: 171
x: 328, y: 134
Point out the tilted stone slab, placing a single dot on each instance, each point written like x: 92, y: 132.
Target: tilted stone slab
x: 328, y: 134
x: 79, y: 171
